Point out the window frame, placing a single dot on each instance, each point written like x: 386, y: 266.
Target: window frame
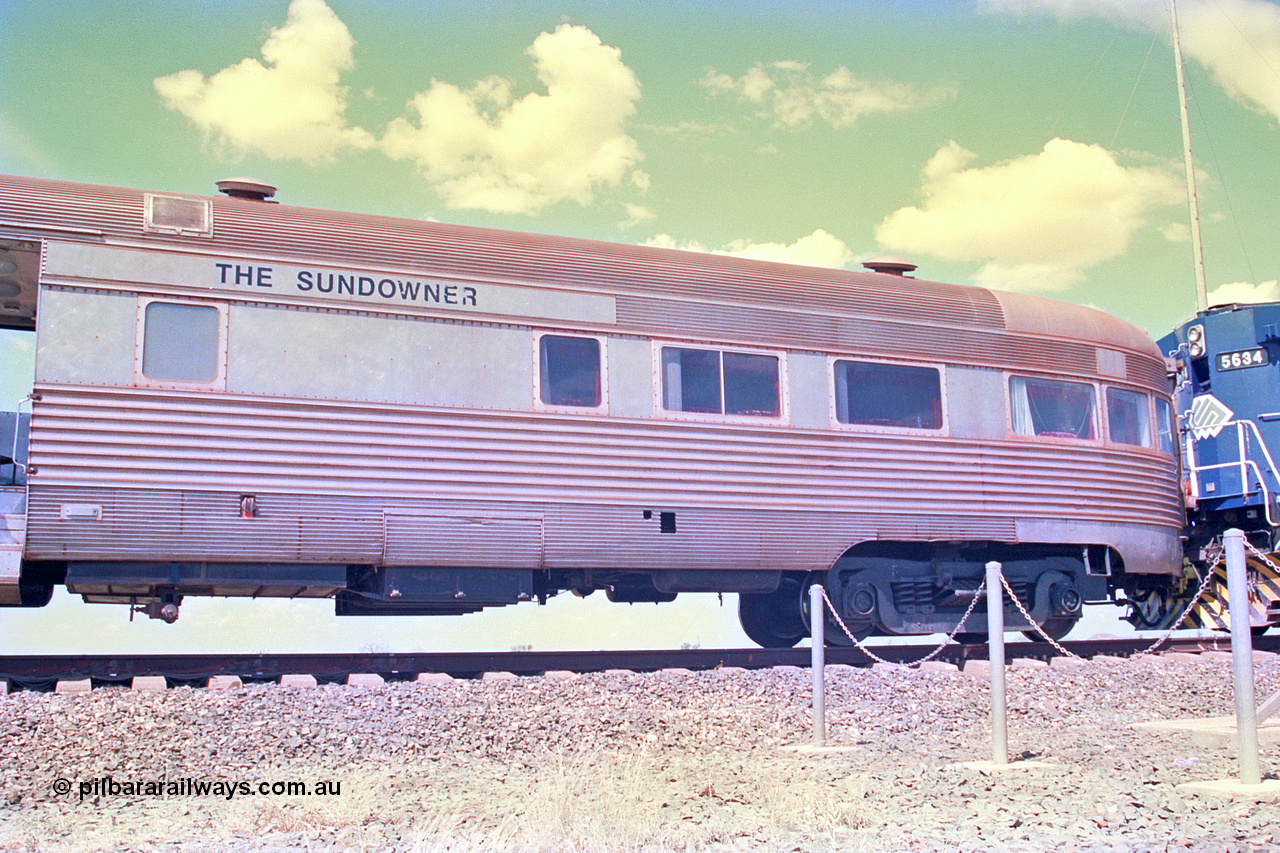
x: 538, y: 405
x: 783, y: 418
x: 1153, y: 438
x: 1096, y: 414
x: 1172, y: 422
x: 833, y: 400
x: 141, y: 380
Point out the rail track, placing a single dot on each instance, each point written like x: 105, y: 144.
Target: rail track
x: 42, y: 672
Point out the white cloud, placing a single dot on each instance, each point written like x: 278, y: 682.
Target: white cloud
x: 1035, y: 222
x: 1146, y: 12
x: 791, y: 95
x: 484, y: 148
x: 819, y: 249
x: 692, y: 129
x: 1245, y: 292
x: 1176, y: 232
x: 1237, y: 40
x: 291, y: 105
x: 637, y: 214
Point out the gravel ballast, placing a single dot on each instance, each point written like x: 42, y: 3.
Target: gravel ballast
x: 669, y: 761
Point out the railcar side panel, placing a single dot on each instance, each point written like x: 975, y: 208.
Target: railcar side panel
x: 282, y: 352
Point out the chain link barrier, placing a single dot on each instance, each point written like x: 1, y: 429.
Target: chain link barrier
x: 980, y: 592
x: 1221, y: 558
x: 1266, y: 558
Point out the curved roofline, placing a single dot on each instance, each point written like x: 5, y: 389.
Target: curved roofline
x: 323, y: 234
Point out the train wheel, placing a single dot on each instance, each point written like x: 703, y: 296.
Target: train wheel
x: 835, y: 637
x: 1055, y: 629
x: 774, y: 620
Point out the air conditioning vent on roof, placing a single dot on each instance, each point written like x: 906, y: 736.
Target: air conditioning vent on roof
x: 250, y: 188
x: 890, y: 264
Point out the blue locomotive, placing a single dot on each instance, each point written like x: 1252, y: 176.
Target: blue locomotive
x: 1226, y: 364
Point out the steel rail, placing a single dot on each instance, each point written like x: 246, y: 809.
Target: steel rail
x: 41, y: 672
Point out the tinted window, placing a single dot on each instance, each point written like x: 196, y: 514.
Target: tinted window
x: 570, y: 371
x: 751, y: 384
x: 1164, y: 425
x: 711, y: 382
x: 1052, y: 408
x: 897, y: 395
x: 180, y: 342
x: 1128, y: 418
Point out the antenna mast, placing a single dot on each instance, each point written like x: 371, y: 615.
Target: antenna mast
x: 1202, y: 298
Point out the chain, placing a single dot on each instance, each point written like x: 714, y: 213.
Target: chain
x: 1186, y: 611
x: 1033, y: 623
x: 1253, y: 583
x: 981, y: 590
x: 1266, y: 558
x: 978, y: 593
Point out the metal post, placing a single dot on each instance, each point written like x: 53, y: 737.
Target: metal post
x: 995, y: 651
x: 817, y: 624
x: 1242, y: 657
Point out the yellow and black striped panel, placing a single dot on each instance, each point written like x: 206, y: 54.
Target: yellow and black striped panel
x: 1264, y: 595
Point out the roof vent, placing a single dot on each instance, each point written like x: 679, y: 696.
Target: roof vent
x: 890, y: 264
x: 249, y: 188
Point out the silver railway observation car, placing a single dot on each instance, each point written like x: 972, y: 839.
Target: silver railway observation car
x: 235, y: 397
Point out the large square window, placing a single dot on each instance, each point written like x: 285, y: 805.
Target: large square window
x: 1128, y: 417
x: 181, y: 342
x: 691, y: 380
x: 714, y: 382
x: 1052, y: 408
x: 896, y: 395
x: 751, y: 384
x: 569, y: 371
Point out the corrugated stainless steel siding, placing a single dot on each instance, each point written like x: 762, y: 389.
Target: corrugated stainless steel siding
x: 478, y: 538
x: 166, y: 441
x: 575, y: 536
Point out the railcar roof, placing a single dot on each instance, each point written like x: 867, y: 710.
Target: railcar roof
x: 32, y: 209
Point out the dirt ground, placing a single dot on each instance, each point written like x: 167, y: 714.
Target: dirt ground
x: 670, y: 761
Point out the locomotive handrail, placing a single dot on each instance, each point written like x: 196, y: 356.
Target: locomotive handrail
x: 1245, y: 462
x: 1257, y: 472
x: 19, y: 466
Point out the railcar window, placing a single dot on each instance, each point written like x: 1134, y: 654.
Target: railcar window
x: 1164, y: 425
x: 751, y: 385
x: 1051, y: 408
x: 875, y: 394
x: 570, y: 371
x: 712, y: 382
x: 1128, y: 417
x: 180, y: 342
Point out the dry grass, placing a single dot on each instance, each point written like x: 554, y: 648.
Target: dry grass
x: 619, y: 802
x: 599, y: 801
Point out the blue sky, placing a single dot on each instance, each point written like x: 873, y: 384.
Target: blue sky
x: 1024, y: 144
